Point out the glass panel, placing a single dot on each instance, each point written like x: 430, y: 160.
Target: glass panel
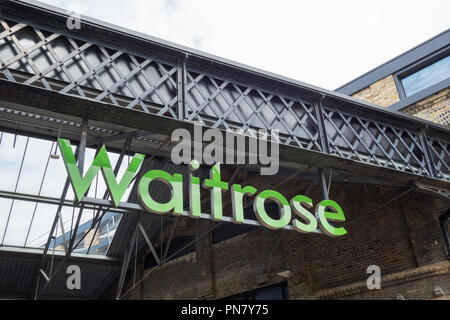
x: 19, y: 222
x: 30, y: 222
x: 5, y: 205
x: 42, y: 222
x: 103, y: 238
x: 11, y: 152
x: 38, y: 152
x: 55, y: 177
x: 427, y: 76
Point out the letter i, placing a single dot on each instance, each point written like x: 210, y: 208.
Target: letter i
x: 194, y: 191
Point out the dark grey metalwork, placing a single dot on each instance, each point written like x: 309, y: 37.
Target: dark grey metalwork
x: 88, y: 70
x: 440, y: 155
x: 169, y: 240
x: 323, y: 184
x: 125, y: 261
x: 184, y: 90
x: 367, y: 140
x: 101, y: 65
x: 18, y: 269
x: 149, y: 243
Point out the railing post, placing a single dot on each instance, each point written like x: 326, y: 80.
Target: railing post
x: 181, y: 88
x: 427, y: 153
x: 321, y: 126
x: 324, y: 144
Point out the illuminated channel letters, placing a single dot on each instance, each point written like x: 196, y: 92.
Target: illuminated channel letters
x: 296, y: 211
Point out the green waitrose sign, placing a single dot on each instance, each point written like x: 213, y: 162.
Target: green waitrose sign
x: 296, y: 211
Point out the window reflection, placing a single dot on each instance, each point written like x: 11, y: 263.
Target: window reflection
x: 426, y: 77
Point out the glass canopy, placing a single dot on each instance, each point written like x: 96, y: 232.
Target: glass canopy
x: 29, y: 173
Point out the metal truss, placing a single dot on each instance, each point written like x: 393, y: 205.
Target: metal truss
x: 100, y: 207
x: 163, y: 257
x: 110, y: 67
x: 59, y: 62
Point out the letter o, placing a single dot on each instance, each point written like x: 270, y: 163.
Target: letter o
x: 263, y: 217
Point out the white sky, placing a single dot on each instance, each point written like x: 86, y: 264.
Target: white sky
x: 324, y: 43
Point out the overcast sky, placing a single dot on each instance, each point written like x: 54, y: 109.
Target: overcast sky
x: 324, y: 43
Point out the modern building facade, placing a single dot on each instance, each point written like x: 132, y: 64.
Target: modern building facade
x: 378, y: 146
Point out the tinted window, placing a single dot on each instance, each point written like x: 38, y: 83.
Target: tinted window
x: 277, y: 291
x: 426, y: 77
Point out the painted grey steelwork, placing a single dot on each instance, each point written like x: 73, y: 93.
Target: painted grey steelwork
x: 117, y: 79
x: 18, y: 267
x: 173, y: 83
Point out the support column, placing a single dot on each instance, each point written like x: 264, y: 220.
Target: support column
x: 204, y: 261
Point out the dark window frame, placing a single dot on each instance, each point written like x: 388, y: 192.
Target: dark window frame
x: 252, y: 294
x: 417, y: 66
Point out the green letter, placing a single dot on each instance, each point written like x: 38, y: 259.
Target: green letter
x: 216, y: 191
x: 237, y: 195
x: 174, y: 182
x: 101, y: 161
x: 299, y: 210
x: 195, y: 206
x: 263, y: 217
x: 81, y: 185
x: 338, y: 215
x: 118, y: 189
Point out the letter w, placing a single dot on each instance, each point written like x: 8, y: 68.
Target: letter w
x: 101, y: 161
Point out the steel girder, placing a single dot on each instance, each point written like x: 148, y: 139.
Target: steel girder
x: 178, y: 85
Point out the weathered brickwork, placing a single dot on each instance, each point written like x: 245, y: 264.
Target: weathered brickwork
x: 383, y: 92
x: 402, y: 238
x: 434, y: 108
x: 419, y: 283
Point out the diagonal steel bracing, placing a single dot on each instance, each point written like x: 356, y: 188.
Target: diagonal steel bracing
x: 180, y: 88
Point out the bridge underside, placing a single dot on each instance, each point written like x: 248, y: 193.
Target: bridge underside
x: 105, y: 85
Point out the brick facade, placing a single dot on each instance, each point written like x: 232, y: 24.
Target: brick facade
x: 434, y: 108
x: 403, y: 239
x: 383, y: 92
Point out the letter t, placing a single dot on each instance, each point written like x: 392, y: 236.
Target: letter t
x: 216, y: 186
